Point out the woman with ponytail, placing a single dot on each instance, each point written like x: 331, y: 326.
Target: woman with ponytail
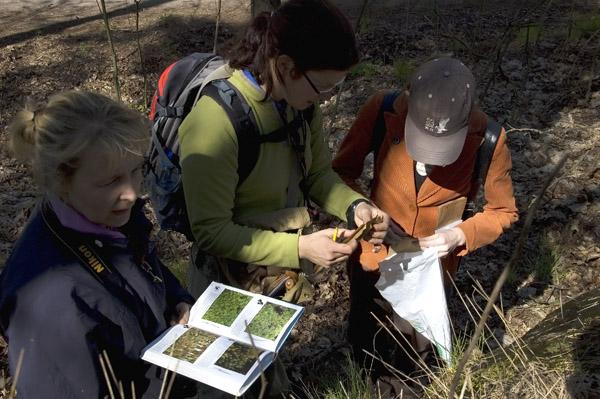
x: 248, y: 233
x: 83, y: 290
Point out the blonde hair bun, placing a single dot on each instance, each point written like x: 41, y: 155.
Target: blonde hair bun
x: 54, y: 136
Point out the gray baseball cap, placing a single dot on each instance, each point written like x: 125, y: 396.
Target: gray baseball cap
x: 441, y: 97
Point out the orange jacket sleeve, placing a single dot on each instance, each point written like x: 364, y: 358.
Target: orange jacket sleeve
x: 499, y: 211
x: 355, y: 147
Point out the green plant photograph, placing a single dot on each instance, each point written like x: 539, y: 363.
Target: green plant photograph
x: 238, y: 358
x: 226, y: 307
x: 190, y: 345
x: 270, y: 320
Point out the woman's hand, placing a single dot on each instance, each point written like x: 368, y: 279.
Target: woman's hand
x: 320, y: 249
x: 182, y: 313
x: 445, y: 241
x: 365, y: 212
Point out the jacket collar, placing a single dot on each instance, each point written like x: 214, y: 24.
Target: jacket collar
x: 70, y: 218
x: 135, y: 234
x: 247, y: 85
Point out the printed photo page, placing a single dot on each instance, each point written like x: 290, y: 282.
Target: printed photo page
x: 231, y: 337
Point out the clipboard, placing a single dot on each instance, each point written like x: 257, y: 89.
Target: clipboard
x: 450, y: 212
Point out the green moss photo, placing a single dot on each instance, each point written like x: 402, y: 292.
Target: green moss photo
x: 226, y: 307
x: 238, y: 358
x: 269, y: 322
x: 190, y: 345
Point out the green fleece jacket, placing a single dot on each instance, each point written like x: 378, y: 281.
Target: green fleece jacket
x: 214, y: 201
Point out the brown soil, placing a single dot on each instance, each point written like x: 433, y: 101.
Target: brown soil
x: 545, y: 91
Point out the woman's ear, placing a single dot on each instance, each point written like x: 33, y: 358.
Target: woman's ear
x: 286, y: 66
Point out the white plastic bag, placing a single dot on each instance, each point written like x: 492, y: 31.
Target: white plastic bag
x: 412, y: 283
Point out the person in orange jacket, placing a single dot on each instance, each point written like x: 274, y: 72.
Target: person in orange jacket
x: 425, y: 163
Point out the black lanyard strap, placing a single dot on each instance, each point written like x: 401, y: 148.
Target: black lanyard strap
x: 108, y: 276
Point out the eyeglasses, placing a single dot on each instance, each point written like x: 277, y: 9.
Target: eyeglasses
x: 319, y: 92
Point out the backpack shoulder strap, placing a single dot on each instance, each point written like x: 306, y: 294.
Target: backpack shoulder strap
x: 484, y: 156
x: 221, y: 73
x: 244, y: 123
x: 241, y: 117
x: 379, y: 129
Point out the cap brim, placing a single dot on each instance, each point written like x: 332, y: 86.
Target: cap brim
x: 433, y: 150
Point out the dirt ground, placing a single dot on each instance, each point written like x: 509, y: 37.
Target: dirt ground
x: 542, y: 83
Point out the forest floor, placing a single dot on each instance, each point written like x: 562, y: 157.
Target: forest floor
x: 537, y: 64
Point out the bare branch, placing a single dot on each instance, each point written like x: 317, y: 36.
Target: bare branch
x: 102, y: 7
x: 362, y: 11
x: 139, y: 49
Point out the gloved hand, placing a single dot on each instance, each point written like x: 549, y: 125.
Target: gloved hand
x: 445, y: 241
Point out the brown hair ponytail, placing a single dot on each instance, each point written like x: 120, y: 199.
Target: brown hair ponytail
x: 314, y: 33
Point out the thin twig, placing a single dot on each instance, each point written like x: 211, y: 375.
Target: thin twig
x: 503, y: 276
x: 464, y: 388
x: 139, y: 46
x: 501, y: 49
x: 110, y: 390
x: 397, y: 372
x: 13, y: 388
x: 362, y: 12
x: 112, y: 374
x: 102, y: 7
x: 524, y: 129
x: 164, y: 384
x: 263, y: 379
x: 169, y: 386
x: 344, y: 390
x: 464, y: 44
x: 218, y: 22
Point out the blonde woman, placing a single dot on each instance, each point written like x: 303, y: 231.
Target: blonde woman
x: 83, y: 279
